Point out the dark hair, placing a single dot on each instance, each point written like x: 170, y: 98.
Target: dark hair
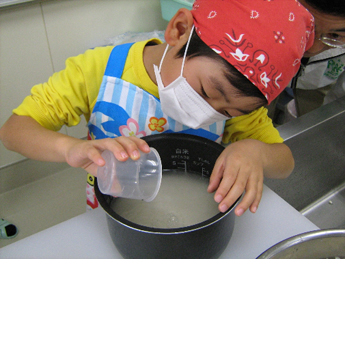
x: 245, y: 87
x: 333, y: 7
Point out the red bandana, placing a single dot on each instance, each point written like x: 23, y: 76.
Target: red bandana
x: 263, y: 39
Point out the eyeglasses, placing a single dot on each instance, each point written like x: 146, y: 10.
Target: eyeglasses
x: 330, y: 41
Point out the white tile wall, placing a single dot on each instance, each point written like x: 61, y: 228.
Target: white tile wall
x: 36, y: 39
x: 74, y: 26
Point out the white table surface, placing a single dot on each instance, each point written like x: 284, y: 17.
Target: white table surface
x: 87, y: 236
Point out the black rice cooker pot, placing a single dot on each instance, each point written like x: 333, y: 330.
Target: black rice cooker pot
x: 203, y: 240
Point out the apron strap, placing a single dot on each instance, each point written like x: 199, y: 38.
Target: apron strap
x: 117, y: 60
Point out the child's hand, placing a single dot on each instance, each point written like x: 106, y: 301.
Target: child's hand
x: 239, y: 168
x: 86, y: 154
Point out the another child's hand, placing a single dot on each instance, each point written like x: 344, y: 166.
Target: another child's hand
x: 239, y: 168
x: 86, y: 154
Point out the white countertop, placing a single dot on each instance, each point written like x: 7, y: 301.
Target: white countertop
x: 87, y: 236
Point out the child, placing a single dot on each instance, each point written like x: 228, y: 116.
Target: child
x: 223, y: 59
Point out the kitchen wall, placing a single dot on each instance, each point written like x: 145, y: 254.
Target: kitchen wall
x: 37, y: 38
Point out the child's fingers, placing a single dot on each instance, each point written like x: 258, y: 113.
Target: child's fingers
x: 227, y: 184
x: 101, y: 145
x: 94, y: 155
x: 254, y: 206
x: 132, y: 146
x: 251, y: 198
x: 217, y: 175
x: 248, y: 199
x: 83, y: 153
x: 122, y: 147
x: 215, y: 179
x: 227, y: 196
x: 231, y: 188
x: 142, y: 145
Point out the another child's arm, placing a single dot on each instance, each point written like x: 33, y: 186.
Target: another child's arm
x: 241, y: 167
x: 27, y: 137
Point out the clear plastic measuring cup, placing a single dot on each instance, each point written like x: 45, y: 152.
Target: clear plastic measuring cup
x: 133, y: 179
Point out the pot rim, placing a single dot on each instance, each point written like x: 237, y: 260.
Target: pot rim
x: 183, y: 137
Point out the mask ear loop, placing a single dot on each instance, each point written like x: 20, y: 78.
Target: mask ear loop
x: 184, y: 55
x: 160, y: 64
x: 185, y: 52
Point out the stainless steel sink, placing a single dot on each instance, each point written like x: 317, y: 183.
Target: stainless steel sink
x: 316, y: 187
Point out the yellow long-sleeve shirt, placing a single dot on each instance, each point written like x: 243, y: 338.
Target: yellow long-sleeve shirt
x: 72, y: 92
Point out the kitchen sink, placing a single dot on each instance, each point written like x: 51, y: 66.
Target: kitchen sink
x: 316, y: 187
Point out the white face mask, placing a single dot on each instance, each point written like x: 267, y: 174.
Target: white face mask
x: 182, y: 103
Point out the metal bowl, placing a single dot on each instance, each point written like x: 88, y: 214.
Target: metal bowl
x: 318, y: 244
